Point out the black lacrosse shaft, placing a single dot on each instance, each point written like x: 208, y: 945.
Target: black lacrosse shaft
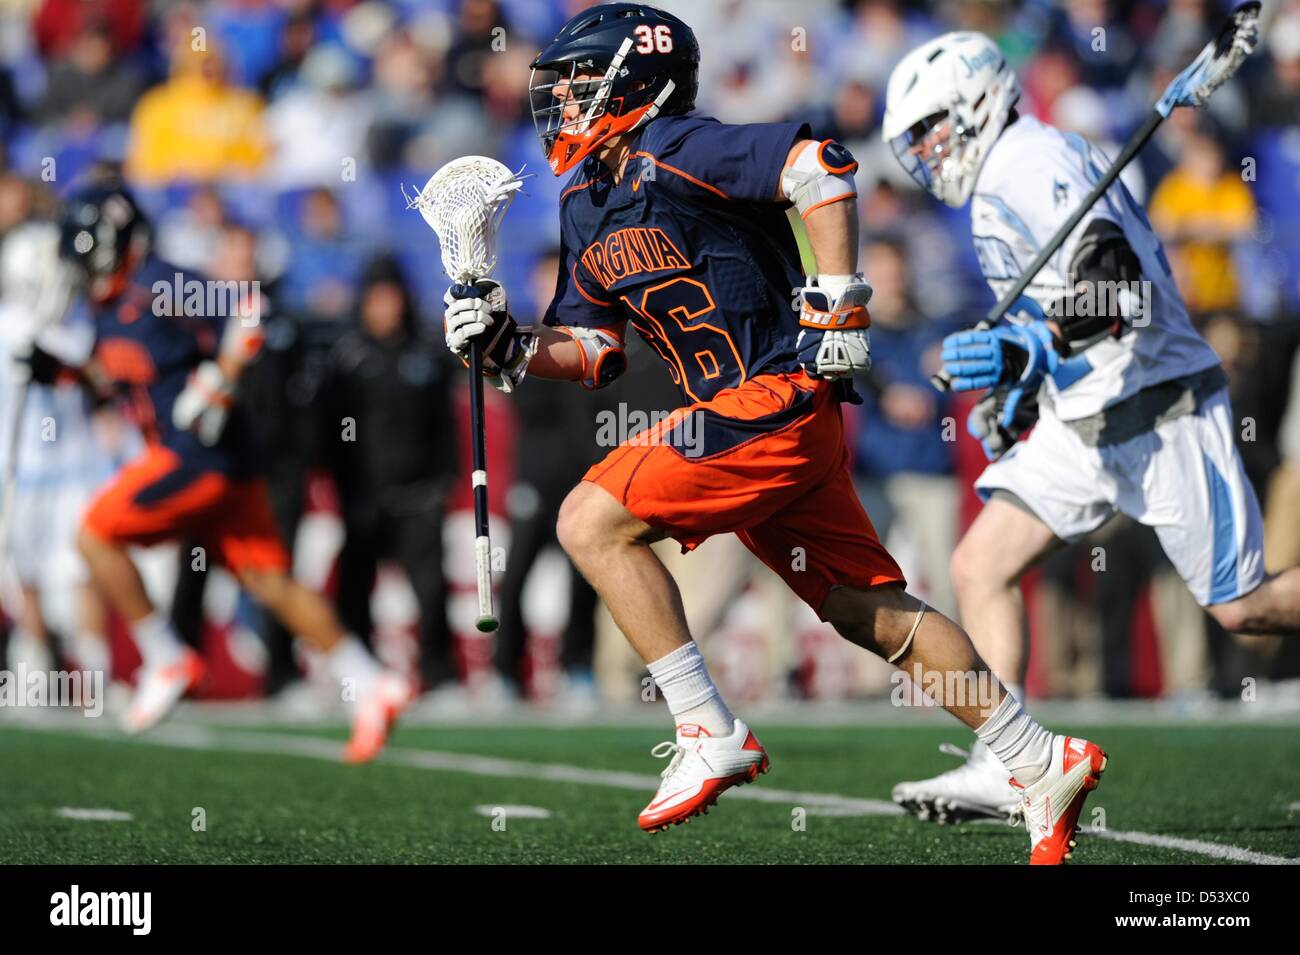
x: 486, y: 621
x: 940, y: 379
x: 478, y: 439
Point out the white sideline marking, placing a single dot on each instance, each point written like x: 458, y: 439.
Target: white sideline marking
x: 93, y: 815
x: 1213, y: 849
x: 514, y: 812
x: 198, y: 737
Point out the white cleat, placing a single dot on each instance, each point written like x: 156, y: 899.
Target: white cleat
x: 375, y: 715
x: 977, y: 789
x: 1052, y: 805
x: 160, y: 688
x: 703, y: 767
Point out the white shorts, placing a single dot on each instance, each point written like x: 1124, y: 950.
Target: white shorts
x: 1184, y: 479
x: 43, y: 534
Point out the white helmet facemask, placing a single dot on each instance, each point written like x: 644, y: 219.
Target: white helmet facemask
x: 946, y: 104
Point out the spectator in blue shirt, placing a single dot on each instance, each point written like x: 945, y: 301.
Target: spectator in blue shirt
x: 904, y: 449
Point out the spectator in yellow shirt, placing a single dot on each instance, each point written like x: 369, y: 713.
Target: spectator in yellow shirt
x: 196, y: 127
x: 1201, y: 209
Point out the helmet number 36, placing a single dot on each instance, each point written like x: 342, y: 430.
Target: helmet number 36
x: 651, y: 39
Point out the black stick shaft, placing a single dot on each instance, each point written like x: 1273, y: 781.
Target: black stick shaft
x: 478, y: 440
x: 486, y: 621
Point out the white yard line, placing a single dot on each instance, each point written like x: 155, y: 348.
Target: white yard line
x: 191, y: 736
x: 1214, y: 850
x: 199, y: 737
x: 513, y: 812
x: 93, y: 815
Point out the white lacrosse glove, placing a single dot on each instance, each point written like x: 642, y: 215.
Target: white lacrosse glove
x: 833, y: 339
x: 204, y: 404
x: 477, y: 314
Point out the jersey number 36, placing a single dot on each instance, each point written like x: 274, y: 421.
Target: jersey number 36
x: 651, y: 39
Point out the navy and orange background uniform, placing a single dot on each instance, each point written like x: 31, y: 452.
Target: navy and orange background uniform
x: 149, y: 357
x: 693, y: 249
x: 179, y: 487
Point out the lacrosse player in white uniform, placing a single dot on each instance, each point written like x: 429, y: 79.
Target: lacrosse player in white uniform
x: 1131, y: 404
x: 60, y: 462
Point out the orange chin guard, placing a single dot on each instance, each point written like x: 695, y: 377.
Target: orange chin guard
x: 571, y: 148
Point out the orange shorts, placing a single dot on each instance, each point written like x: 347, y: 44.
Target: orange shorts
x: 767, y: 461
x: 156, y: 498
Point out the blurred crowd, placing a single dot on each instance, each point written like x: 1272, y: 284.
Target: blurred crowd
x: 271, y: 139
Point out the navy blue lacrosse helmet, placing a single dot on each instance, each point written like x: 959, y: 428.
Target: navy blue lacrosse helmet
x: 104, y: 234
x: 612, y: 68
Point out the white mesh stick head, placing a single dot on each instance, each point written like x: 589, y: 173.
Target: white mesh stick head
x: 463, y: 202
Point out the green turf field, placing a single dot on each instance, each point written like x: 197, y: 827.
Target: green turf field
x: 1226, y: 786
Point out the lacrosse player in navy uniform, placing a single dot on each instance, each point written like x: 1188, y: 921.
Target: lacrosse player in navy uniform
x: 677, y: 225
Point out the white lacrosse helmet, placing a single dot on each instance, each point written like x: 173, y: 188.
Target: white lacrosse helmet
x: 946, y: 104
x: 33, y: 278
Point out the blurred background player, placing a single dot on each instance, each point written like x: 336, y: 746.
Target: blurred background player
x: 61, y: 459
x: 903, y: 459
x: 698, y: 256
x: 174, y: 360
x: 555, y: 449
x: 1132, y: 410
x: 386, y: 415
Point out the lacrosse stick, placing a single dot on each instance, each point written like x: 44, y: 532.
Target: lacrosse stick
x: 1213, y: 67
x: 464, y: 203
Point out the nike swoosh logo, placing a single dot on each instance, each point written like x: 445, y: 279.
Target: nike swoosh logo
x: 655, y: 805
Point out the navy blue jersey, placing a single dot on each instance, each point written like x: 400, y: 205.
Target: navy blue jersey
x: 692, y: 247
x: 147, y: 343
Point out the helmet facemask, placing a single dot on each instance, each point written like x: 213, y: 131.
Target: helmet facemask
x: 575, y: 113
x: 964, y: 115
x: 937, y: 152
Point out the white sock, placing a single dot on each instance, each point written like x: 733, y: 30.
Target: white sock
x: 91, y: 651
x: 1022, y: 746
x: 29, y: 650
x: 353, y: 666
x: 689, y: 692
x: 156, y: 640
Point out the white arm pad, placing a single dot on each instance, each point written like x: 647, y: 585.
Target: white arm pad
x: 822, y: 173
x: 603, y: 358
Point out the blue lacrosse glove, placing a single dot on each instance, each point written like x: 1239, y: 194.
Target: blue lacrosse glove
x: 1009, y: 354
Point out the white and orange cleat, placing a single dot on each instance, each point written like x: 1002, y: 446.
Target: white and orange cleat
x: 160, y: 688
x: 703, y: 767
x: 375, y: 715
x: 1052, y: 805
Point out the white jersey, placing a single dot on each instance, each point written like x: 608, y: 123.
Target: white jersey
x: 1034, y: 177
x: 56, y: 444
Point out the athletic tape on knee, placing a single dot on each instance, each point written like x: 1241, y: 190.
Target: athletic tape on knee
x: 898, y: 655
